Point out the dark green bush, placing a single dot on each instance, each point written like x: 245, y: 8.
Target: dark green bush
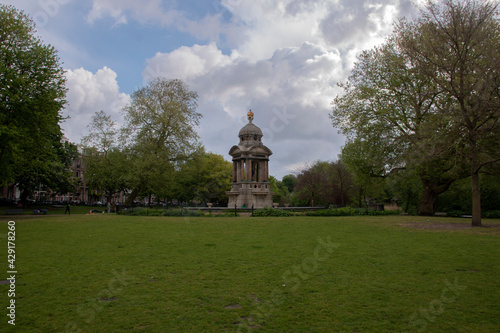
x: 492, y: 214
x: 271, y: 212
x: 349, y: 211
x: 141, y: 211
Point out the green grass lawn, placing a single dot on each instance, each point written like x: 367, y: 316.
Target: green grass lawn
x: 108, y: 273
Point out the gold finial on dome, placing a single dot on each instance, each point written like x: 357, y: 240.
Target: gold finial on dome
x: 250, y: 115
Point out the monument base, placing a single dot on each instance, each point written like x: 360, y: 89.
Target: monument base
x: 246, y: 194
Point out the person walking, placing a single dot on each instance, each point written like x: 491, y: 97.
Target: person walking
x: 67, y: 209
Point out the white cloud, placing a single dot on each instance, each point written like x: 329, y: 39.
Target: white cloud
x: 150, y: 11
x: 88, y: 93
x: 185, y: 62
x: 290, y: 94
x: 282, y: 58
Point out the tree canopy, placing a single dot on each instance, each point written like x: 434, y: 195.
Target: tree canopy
x: 32, y: 95
x: 427, y: 101
x: 159, y: 132
x: 456, y: 45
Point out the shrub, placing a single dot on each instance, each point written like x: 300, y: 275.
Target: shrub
x: 492, y: 214
x: 182, y: 212
x: 141, y: 211
x: 344, y: 211
x: 349, y: 211
x: 271, y: 212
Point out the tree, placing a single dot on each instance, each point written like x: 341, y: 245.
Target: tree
x: 340, y: 183
x: 159, y: 132
x: 205, y: 178
x: 390, y: 114
x: 279, y: 191
x: 32, y: 93
x: 289, y: 181
x: 456, y: 46
x: 310, y: 187
x: 365, y: 161
x: 105, y: 163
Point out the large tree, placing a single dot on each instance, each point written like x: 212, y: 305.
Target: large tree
x: 389, y: 113
x: 32, y: 95
x: 105, y: 162
x: 456, y: 46
x: 204, y: 178
x: 160, y: 132
x: 324, y: 183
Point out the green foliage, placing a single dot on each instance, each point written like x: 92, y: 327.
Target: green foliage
x: 324, y: 183
x: 458, y: 197
x: 205, y: 178
x: 143, y: 211
x: 159, y: 134
x: 279, y: 190
x: 32, y: 92
x: 271, y: 212
x: 289, y: 181
x: 344, y: 211
x: 407, y: 100
x: 349, y: 211
x: 492, y: 214
x: 456, y: 45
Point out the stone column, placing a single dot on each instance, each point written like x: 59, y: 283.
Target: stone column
x: 235, y: 171
x: 261, y: 171
x: 242, y: 170
x: 249, y: 169
x: 266, y: 170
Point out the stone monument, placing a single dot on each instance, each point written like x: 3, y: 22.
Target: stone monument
x: 250, y: 186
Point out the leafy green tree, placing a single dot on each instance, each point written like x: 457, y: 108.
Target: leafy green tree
x: 390, y: 113
x: 340, y: 184
x: 289, y: 181
x: 456, y: 46
x: 279, y: 191
x: 105, y: 163
x: 32, y: 95
x: 310, y: 188
x: 159, y: 132
x: 405, y: 187
x: 205, y: 178
x: 362, y: 159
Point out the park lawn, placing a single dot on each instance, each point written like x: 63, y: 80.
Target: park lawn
x: 109, y: 273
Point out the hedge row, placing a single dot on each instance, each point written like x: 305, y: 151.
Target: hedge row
x: 271, y: 212
x: 349, y: 211
x: 141, y: 211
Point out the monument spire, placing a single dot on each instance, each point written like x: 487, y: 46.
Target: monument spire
x: 250, y: 116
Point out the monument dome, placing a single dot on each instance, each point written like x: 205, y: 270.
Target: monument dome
x: 250, y: 134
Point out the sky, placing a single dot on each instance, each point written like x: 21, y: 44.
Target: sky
x: 280, y: 58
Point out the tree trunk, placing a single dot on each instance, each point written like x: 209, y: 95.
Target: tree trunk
x: 476, y: 189
x: 427, y: 202
x: 407, y: 204
x: 476, y: 200
x: 131, y: 197
x: 24, y: 198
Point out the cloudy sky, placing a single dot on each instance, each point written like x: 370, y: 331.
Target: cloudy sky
x: 280, y: 58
